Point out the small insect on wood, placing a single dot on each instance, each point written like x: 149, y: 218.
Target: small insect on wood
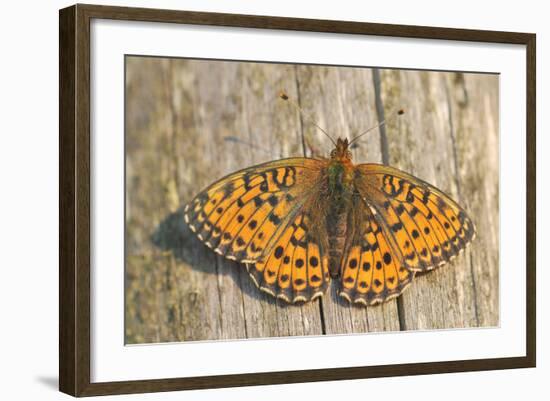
x: 297, y: 223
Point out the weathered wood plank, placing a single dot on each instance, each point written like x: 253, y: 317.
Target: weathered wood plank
x: 159, y: 246
x: 425, y: 142
x: 475, y: 108
x: 341, y: 100
x: 255, y: 88
x: 180, y: 111
x: 210, y: 101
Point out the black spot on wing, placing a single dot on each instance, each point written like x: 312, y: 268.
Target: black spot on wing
x: 397, y: 226
x: 273, y: 200
x: 400, y: 209
x: 274, y: 219
x: 278, y: 252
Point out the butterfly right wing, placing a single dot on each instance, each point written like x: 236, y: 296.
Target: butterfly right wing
x: 429, y: 226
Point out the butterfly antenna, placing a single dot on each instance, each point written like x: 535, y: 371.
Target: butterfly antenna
x: 399, y: 113
x: 285, y: 97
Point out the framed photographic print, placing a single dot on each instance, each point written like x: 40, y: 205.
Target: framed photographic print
x: 345, y: 200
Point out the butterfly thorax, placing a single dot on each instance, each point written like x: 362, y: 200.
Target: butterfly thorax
x: 340, y: 170
x: 340, y: 173
x: 340, y: 180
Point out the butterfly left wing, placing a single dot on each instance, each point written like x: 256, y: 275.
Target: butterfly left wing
x: 262, y: 216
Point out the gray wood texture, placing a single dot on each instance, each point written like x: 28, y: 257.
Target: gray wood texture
x: 178, y: 114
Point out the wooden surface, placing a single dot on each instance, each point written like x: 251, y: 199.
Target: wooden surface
x: 178, y: 113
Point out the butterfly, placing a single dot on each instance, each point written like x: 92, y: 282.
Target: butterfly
x: 298, y: 223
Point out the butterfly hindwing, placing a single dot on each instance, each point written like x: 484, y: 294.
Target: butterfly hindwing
x: 296, y: 268
x: 427, y: 226
x: 372, y: 267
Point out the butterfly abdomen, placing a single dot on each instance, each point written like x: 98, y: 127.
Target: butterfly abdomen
x: 340, y: 176
x: 336, y: 228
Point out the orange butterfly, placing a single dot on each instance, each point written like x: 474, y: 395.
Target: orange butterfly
x: 298, y: 222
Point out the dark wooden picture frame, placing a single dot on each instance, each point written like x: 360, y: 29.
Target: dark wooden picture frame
x: 74, y: 199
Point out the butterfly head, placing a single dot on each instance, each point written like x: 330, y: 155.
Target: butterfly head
x: 341, y: 152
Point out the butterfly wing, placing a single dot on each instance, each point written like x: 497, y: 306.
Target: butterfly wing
x: 400, y: 225
x: 425, y: 224
x: 372, y: 270
x: 263, y: 216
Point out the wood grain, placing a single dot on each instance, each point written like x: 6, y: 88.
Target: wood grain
x: 178, y: 113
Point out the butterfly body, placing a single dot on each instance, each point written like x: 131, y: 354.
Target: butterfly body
x: 339, y: 173
x: 298, y: 222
